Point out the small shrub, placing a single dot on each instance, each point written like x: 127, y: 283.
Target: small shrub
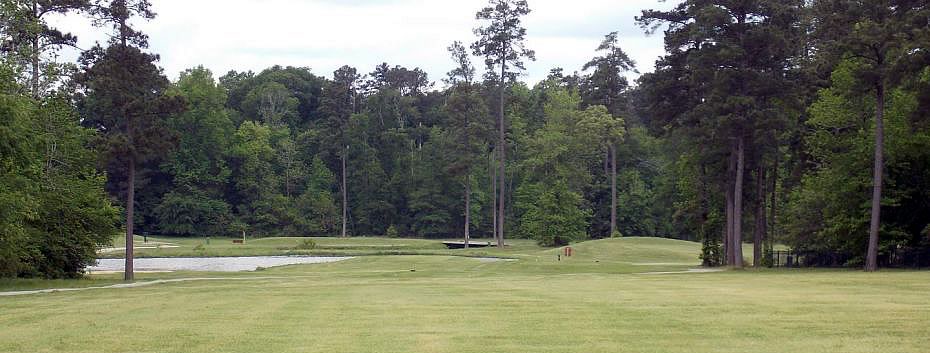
x: 392, y: 232
x: 711, y: 254
x: 616, y: 234
x: 306, y: 244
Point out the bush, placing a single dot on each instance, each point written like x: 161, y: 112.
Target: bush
x: 51, y: 224
x: 392, y: 232
x: 192, y: 212
x: 306, y: 244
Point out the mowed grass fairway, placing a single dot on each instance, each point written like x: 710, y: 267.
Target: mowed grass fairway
x: 605, y: 299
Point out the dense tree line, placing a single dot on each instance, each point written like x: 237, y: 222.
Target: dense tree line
x: 780, y: 113
x: 796, y: 122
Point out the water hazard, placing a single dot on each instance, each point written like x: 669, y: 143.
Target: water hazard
x: 210, y: 264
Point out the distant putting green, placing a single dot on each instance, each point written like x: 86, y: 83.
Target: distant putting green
x: 610, y: 297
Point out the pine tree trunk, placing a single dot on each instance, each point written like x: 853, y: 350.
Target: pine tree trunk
x: 502, y: 146
x: 492, y: 174
x: 130, y: 201
x: 613, y: 189
x: 705, y: 238
x: 607, y: 162
x: 728, y: 234
x: 467, y: 208
x: 759, y: 232
x: 345, y: 198
x: 123, y: 29
x: 35, y: 68
x: 287, y: 181
x: 871, y: 263
x: 773, y: 217
x: 738, y: 204
x: 35, y: 53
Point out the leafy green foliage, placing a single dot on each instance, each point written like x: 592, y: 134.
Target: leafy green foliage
x: 830, y: 209
x: 54, y: 212
x: 257, y: 185
x: 199, y: 166
x: 31, y: 43
x: 392, y: 232
x: 316, y: 208
x: 552, y: 214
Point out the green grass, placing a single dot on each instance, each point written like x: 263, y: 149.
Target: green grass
x: 598, y: 301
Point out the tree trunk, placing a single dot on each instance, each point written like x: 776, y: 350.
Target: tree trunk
x: 502, y: 145
x: 345, y: 198
x: 759, y: 232
x: 871, y: 263
x: 35, y: 53
x: 607, y: 161
x: 738, y: 204
x: 130, y: 201
x: 287, y: 180
x: 123, y: 29
x: 467, y: 208
x: 613, y: 189
x: 492, y: 173
x: 702, y: 197
x: 728, y: 234
x: 773, y: 227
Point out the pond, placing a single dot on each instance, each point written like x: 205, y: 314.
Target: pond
x: 209, y: 264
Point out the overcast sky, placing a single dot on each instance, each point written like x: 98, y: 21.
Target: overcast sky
x: 243, y: 35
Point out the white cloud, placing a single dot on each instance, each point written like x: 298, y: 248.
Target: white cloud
x: 243, y: 35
